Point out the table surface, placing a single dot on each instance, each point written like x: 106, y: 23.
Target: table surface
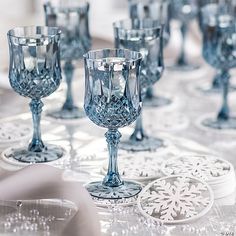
x: 87, y: 149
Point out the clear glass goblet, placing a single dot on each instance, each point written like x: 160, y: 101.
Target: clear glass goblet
x: 35, y: 72
x: 184, y: 11
x: 72, y: 18
x: 219, y: 50
x: 144, y: 36
x: 156, y: 10
x: 112, y: 100
x: 211, y: 7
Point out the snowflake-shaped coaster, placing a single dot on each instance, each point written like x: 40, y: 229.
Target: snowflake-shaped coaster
x: 175, y: 199
x: 13, y: 132
x: 139, y: 167
x: 217, y: 172
x: 208, y: 168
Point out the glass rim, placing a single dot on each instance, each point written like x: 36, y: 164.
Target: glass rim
x: 136, y: 54
x: 82, y: 5
x: 158, y: 25
x: 11, y: 34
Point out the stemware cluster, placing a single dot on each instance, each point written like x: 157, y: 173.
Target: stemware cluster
x: 116, y: 80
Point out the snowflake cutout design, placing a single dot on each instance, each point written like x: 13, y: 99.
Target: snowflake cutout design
x: 175, y: 199
x: 139, y: 167
x: 207, y: 168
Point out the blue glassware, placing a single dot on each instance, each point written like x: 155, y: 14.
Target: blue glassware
x: 219, y: 50
x: 153, y: 9
x: 112, y: 100
x: 144, y: 36
x: 156, y: 10
x: 35, y: 72
x: 72, y: 18
x: 203, y: 13
x: 184, y: 11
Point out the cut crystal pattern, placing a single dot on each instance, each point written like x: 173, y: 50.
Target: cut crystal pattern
x: 35, y: 72
x: 112, y: 100
x: 118, y: 112
x: 175, y: 199
x: 148, y: 41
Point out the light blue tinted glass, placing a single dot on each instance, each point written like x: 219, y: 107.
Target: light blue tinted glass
x: 144, y: 36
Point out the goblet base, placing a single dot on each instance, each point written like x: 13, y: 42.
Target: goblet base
x: 21, y: 154
x: 66, y: 114
x: 157, y: 101
x: 127, y: 190
x: 146, y: 144
x: 208, y: 89
x: 220, y: 124
x: 183, y: 67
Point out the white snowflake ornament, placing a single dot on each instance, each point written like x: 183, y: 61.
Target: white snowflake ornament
x: 175, y: 199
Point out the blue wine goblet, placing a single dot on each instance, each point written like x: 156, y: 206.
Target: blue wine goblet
x: 144, y: 36
x: 219, y: 50
x: 184, y: 11
x: 35, y: 72
x: 72, y: 18
x: 156, y: 10
x: 208, y: 7
x: 112, y: 100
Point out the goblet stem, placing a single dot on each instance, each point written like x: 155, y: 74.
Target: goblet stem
x: 36, y: 144
x: 224, y: 111
x: 69, y: 71
x: 138, y: 134
x: 216, y: 83
x: 182, y: 57
x: 149, y: 93
x: 112, y: 178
